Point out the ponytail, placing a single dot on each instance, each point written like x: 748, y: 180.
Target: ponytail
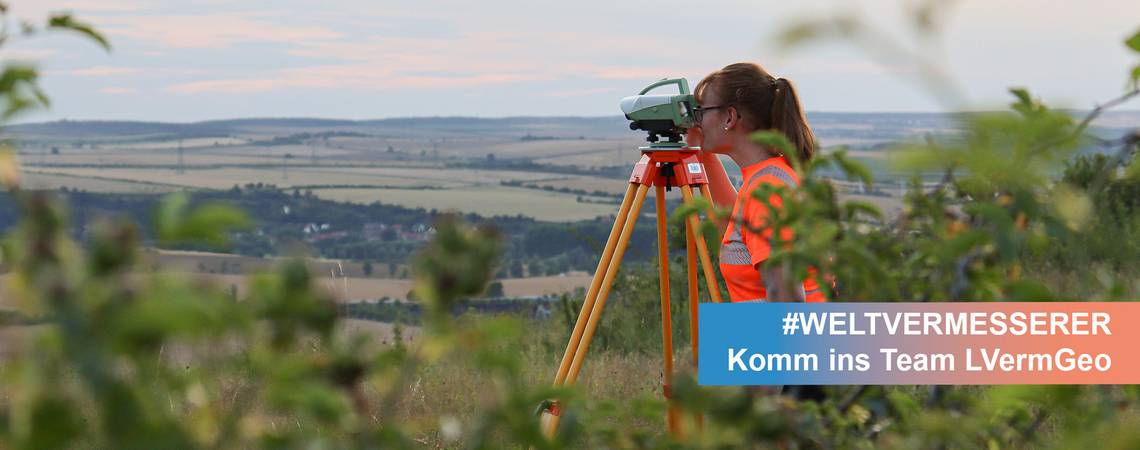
x: 765, y: 102
x: 788, y: 118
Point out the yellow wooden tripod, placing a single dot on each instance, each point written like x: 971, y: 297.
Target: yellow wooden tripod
x: 660, y: 168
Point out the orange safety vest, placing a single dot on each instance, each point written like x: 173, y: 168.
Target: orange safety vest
x: 742, y: 251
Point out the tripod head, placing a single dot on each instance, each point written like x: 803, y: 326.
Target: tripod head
x: 662, y: 115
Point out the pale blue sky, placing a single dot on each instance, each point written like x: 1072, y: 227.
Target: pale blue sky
x: 209, y: 59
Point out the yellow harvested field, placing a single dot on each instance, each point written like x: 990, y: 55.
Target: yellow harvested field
x: 868, y: 154
x: 299, y: 152
x: 158, y: 153
x: 174, y: 143
x: 366, y: 289
x: 587, y: 183
x: 471, y: 176
x: 889, y: 206
x: 153, y: 158
x: 299, y: 174
x: 541, y: 148
x: 228, y: 177
x: 360, y: 289
x: 39, y: 180
x: 594, y: 159
x: 484, y: 200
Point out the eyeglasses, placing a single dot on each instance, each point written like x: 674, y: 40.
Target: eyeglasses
x: 699, y: 111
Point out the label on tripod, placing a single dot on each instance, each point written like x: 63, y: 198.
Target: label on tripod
x: 694, y: 167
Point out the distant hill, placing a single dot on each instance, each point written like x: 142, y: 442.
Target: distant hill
x: 613, y: 126
x: 65, y: 129
x: 871, y: 126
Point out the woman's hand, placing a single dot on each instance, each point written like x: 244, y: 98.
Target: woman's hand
x: 693, y: 137
x: 719, y: 188
x: 779, y: 287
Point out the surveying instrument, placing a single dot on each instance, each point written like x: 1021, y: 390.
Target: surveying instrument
x: 663, y: 165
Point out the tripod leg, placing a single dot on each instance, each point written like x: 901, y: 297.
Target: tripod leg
x: 607, y: 283
x: 595, y: 283
x: 591, y: 296
x: 702, y: 248
x: 673, y: 416
x: 694, y: 301
x: 694, y: 294
x: 600, y: 303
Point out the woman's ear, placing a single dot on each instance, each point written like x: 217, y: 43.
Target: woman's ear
x: 732, y: 119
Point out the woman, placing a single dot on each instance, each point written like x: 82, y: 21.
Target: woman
x: 734, y: 102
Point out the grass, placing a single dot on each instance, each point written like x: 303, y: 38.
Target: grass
x: 607, y: 383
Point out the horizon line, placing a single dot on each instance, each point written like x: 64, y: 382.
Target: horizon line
x: 607, y: 116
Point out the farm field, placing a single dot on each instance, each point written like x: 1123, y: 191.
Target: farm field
x: 345, y: 279
x: 226, y: 178
x: 584, y: 182
x: 470, y: 176
x: 93, y: 183
x: 440, y: 163
x: 484, y: 200
x: 354, y: 286
x: 371, y: 289
x: 466, y: 190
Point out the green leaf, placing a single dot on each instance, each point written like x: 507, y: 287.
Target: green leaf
x: 1022, y: 95
x: 695, y: 206
x: 1134, y: 41
x: 775, y: 140
x: 1073, y: 206
x: 208, y: 223
x: 19, y: 90
x: 1029, y: 291
x: 66, y: 22
x: 55, y: 423
x: 855, y: 207
x: 854, y: 169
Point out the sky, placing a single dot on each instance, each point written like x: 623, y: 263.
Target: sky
x: 191, y: 60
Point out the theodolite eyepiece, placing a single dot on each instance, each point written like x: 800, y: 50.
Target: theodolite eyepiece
x: 662, y: 115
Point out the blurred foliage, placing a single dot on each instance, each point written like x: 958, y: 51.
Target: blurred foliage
x: 124, y: 357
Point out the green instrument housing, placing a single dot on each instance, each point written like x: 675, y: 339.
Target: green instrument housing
x: 662, y: 115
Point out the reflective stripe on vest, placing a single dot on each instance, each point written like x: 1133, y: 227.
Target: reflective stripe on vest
x: 765, y: 300
x: 734, y: 252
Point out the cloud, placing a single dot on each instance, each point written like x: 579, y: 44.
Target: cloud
x: 844, y: 66
x: 581, y: 92
x: 125, y: 72
x: 32, y: 55
x: 633, y: 73
x: 216, y: 30
x: 102, y: 71
x: 360, y: 76
x: 103, y: 5
x: 38, y: 9
x: 118, y: 90
x: 370, y: 59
